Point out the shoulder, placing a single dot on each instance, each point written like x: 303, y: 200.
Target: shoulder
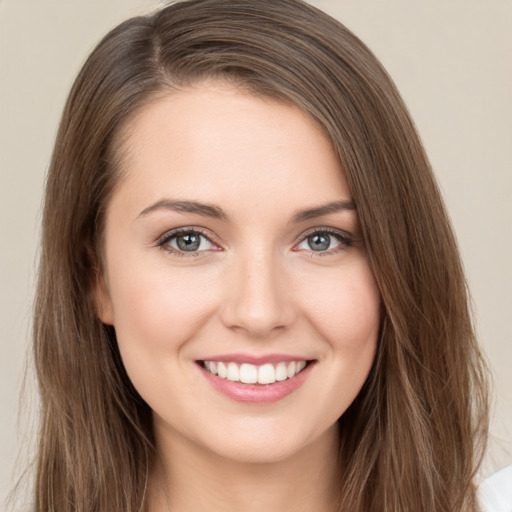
x: 495, y: 493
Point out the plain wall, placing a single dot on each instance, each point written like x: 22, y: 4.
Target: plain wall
x: 451, y: 59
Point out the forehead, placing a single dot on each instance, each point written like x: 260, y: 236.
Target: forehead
x: 214, y: 140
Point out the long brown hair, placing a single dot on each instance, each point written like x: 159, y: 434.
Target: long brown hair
x: 413, y: 438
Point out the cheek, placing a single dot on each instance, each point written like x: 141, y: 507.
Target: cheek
x: 157, y: 307
x: 345, y: 309
x: 156, y: 312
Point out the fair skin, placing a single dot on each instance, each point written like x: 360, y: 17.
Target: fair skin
x: 260, y: 275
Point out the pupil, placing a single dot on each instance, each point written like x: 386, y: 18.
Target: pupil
x: 188, y: 242
x: 319, y: 242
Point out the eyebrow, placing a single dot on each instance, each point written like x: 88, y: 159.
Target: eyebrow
x: 209, y: 210
x: 325, y: 209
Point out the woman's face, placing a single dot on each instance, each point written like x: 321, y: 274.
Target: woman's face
x: 233, y: 252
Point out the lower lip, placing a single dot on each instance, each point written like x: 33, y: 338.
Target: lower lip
x: 257, y: 393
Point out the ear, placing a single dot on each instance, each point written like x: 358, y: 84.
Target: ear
x: 102, y: 300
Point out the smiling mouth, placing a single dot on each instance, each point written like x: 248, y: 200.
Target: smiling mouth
x: 247, y: 373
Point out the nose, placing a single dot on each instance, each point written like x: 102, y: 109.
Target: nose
x: 259, y: 300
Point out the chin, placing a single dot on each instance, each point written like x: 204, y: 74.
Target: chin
x: 277, y: 444
x: 245, y: 452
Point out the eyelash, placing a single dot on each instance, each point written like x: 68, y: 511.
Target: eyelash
x: 164, y: 240
x: 344, y: 239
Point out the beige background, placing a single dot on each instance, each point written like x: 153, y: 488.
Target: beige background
x: 452, y: 61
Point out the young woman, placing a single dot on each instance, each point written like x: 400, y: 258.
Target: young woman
x: 250, y: 297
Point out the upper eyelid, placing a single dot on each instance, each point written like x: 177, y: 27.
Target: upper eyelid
x: 346, y: 240
x: 324, y: 229
x: 165, y: 237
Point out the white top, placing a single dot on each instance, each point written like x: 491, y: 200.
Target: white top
x: 495, y: 493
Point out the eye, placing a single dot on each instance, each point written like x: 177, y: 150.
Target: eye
x: 324, y: 241
x: 186, y: 241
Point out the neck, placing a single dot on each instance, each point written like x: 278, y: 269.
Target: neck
x: 188, y: 478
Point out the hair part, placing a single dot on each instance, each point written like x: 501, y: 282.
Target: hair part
x: 414, y: 436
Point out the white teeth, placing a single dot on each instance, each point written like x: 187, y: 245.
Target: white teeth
x: 252, y: 374
x: 266, y: 374
x: 233, y: 372
x: 290, y: 371
x: 248, y: 373
x: 281, y: 372
x: 222, y: 370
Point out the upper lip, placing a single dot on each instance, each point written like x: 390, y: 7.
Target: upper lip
x: 256, y: 360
